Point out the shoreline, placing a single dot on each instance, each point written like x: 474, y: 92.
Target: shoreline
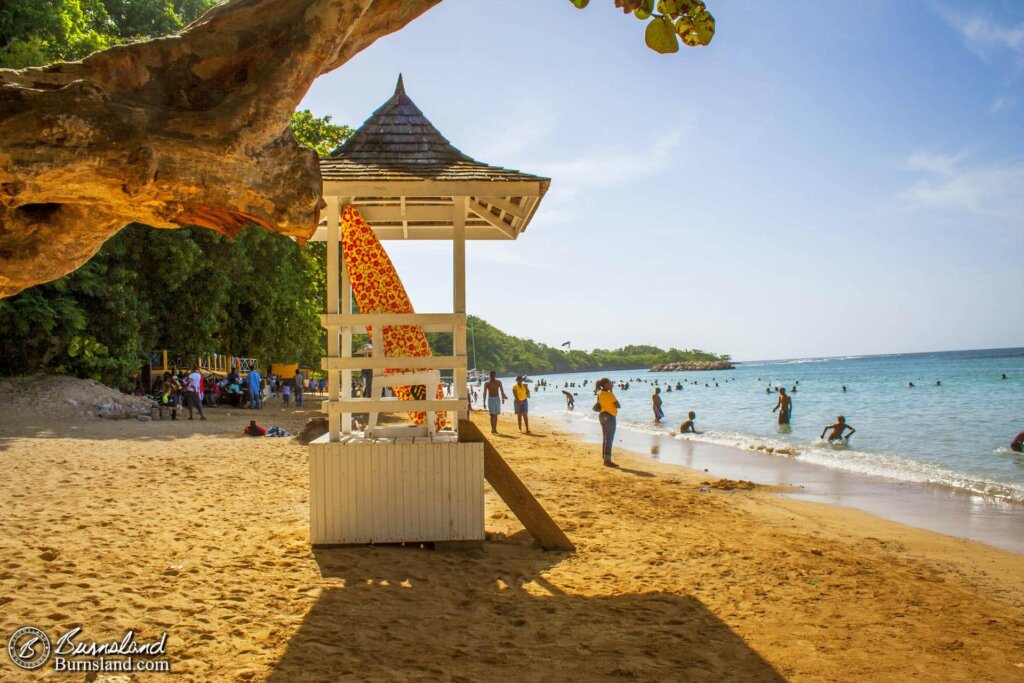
x: 190, y: 528
x: 932, y: 507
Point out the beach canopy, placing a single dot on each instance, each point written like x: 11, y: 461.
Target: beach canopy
x: 409, y: 182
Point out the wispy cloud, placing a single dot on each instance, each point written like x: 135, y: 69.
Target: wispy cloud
x: 985, y: 36
x: 598, y: 171
x: 930, y: 162
x: 991, y: 192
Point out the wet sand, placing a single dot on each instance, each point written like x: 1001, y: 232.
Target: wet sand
x: 927, y: 506
x: 191, y: 528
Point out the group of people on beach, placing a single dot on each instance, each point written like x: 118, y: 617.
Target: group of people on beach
x: 191, y: 391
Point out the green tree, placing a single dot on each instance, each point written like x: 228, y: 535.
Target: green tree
x: 38, y: 32
x: 496, y: 350
x: 318, y: 133
x: 191, y: 290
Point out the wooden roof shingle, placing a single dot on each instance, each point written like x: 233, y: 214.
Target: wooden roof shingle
x: 399, y: 143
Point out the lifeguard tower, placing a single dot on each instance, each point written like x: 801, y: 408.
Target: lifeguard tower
x: 408, y: 483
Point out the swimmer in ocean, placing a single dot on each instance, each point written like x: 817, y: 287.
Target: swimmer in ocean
x: 1017, y: 445
x: 786, y: 403
x: 687, y: 426
x: 837, y: 430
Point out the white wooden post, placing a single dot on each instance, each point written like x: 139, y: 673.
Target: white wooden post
x: 333, y: 281
x: 460, y: 205
x: 346, y: 331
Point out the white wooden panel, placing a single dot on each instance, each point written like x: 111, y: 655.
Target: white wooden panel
x: 315, y: 512
x: 362, y: 492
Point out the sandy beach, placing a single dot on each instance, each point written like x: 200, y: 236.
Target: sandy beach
x: 191, y: 528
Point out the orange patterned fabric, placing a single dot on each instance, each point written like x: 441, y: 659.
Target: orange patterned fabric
x: 378, y: 289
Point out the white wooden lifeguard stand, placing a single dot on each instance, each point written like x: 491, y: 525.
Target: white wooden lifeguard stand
x: 407, y: 484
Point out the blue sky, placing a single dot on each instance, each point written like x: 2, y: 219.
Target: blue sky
x: 827, y: 178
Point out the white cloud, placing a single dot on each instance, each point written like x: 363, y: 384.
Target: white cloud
x: 998, y: 104
x: 993, y: 193
x: 608, y: 167
x: 930, y: 162
x: 986, y: 37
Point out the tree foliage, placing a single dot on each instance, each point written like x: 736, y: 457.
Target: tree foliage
x: 318, y: 133
x: 505, y: 354
x: 191, y: 291
x: 669, y: 21
x: 37, y: 32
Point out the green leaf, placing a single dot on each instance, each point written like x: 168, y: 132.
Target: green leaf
x: 660, y: 36
x: 704, y: 26
x: 670, y: 7
x: 580, y: 4
x: 645, y: 9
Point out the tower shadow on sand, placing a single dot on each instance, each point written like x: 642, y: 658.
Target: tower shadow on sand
x: 405, y: 613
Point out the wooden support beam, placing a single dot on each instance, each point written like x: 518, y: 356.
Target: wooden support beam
x: 517, y: 210
x: 437, y: 188
x: 515, y: 494
x: 388, y: 319
x: 346, y: 332
x: 495, y: 221
x: 333, y: 306
x: 398, y: 363
x: 390, y: 405
x: 460, y: 206
x: 395, y: 214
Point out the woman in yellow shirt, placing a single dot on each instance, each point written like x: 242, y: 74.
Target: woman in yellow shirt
x: 521, y: 403
x: 609, y: 406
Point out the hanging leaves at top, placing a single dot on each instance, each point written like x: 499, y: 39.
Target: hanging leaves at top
x: 674, y: 20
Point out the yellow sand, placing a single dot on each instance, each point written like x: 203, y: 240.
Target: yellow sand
x: 191, y: 528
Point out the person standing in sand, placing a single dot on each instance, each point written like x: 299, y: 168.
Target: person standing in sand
x: 656, y: 404
x: 300, y: 383
x: 521, y: 403
x: 837, y: 430
x: 255, y: 387
x: 194, y: 393
x: 786, y: 404
x: 494, y: 396
x: 608, y: 408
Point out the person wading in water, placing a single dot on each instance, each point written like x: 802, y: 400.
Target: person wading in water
x: 786, y: 404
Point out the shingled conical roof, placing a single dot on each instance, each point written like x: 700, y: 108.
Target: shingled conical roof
x: 399, y: 143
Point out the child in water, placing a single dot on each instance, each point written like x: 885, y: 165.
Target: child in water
x: 688, y: 426
x: 837, y: 430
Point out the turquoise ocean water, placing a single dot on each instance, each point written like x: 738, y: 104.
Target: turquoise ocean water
x: 955, y: 435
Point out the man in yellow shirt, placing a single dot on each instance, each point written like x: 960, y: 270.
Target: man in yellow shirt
x: 521, y: 403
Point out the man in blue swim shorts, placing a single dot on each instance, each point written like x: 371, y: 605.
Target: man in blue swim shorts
x: 494, y: 396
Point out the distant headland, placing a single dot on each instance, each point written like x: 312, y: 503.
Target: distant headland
x: 694, y: 365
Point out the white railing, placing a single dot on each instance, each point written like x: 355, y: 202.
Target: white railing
x: 411, y: 370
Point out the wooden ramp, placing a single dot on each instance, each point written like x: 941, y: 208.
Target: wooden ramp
x: 515, y: 494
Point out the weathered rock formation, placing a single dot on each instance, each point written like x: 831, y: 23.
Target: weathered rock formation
x: 694, y: 365
x: 186, y: 130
